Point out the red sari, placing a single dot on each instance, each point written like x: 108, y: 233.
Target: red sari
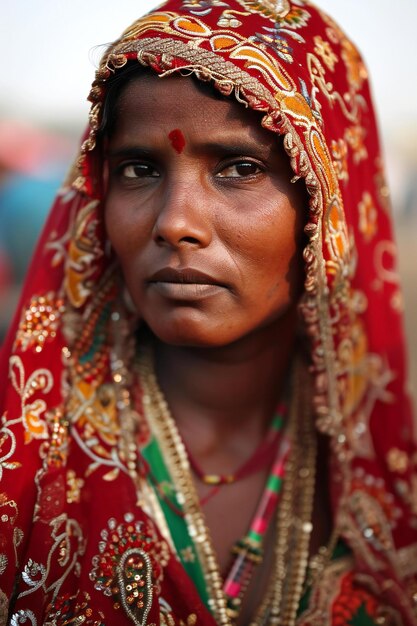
x: 76, y: 513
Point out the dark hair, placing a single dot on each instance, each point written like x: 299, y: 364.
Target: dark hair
x: 115, y: 85
x: 123, y: 77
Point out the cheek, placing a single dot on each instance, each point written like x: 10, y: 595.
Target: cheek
x: 124, y: 234
x: 271, y: 242
x: 114, y: 227
x: 125, y: 216
x: 276, y: 262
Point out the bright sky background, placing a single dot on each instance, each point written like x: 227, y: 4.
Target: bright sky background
x: 49, y: 53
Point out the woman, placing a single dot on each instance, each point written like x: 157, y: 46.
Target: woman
x: 180, y: 445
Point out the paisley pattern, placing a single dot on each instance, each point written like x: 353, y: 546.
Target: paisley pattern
x: 81, y: 540
x: 129, y: 566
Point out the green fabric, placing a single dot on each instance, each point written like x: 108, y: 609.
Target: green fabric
x: 361, y: 618
x: 184, y: 545
x: 162, y: 484
x: 160, y: 480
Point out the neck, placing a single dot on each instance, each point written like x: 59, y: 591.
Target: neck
x: 228, y: 389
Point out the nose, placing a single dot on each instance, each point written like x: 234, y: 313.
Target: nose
x: 183, y: 219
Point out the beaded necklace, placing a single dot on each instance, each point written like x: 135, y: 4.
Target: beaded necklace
x: 293, y: 520
x: 249, y: 550
x: 261, y: 458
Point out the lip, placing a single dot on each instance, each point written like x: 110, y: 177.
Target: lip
x: 184, y: 283
x: 184, y: 275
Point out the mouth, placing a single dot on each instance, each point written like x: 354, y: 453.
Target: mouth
x: 184, y: 283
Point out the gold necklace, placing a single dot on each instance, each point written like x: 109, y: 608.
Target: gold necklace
x: 295, y: 510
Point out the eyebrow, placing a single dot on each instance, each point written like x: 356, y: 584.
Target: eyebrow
x: 235, y: 147
x: 212, y: 147
x: 129, y: 152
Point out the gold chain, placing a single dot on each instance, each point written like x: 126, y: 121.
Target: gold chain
x: 175, y: 456
x: 294, y: 525
x: 295, y: 510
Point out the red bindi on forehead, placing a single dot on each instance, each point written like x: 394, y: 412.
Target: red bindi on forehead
x: 177, y: 140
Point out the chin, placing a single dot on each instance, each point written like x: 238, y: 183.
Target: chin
x: 198, y: 330
x: 188, y: 337
x: 181, y: 326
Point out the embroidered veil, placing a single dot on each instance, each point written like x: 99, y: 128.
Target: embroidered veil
x: 70, y: 497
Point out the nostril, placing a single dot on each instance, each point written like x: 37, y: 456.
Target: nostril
x: 189, y: 240
x: 181, y: 240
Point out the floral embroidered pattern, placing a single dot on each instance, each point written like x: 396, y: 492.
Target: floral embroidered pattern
x: 40, y: 322
x: 66, y: 546
x: 310, y: 86
x: 278, y: 10
x: 368, y: 216
x: 57, y: 446
x: 84, y: 253
x: 32, y: 413
x: 202, y: 7
x: 355, y: 137
x: 7, y: 448
x: 74, y: 486
x: 129, y: 566
x: 398, y: 460
x: 8, y: 524
x: 229, y: 19
x: 22, y: 617
x: 377, y: 490
x: 323, y: 49
x: 339, y: 154
x: 356, y: 71
x: 74, y: 609
x: 279, y: 35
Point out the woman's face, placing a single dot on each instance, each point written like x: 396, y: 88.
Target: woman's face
x: 201, y: 214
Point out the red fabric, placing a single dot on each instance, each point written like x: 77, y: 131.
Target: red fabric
x: 63, y: 475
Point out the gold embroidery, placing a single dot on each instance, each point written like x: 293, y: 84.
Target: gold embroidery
x: 339, y: 154
x: 84, y: 252
x: 130, y: 575
x: 355, y: 137
x: 274, y: 9
x: 397, y: 460
x: 350, y: 105
x: 74, y: 486
x: 187, y: 555
x: 32, y: 414
x: 356, y: 71
x: 324, y: 50
x: 368, y: 216
x: 39, y: 322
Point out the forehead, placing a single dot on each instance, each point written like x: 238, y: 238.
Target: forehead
x: 154, y: 102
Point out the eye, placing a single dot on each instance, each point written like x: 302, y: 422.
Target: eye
x: 138, y: 170
x: 241, y: 169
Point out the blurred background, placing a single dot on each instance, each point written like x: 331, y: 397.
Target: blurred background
x: 50, y: 49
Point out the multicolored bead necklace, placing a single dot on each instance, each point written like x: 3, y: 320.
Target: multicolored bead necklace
x: 249, y: 550
x: 295, y: 496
